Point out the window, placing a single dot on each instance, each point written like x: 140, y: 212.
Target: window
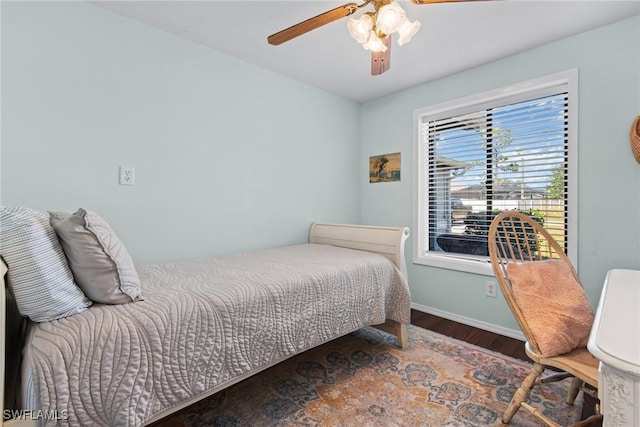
x: 512, y: 148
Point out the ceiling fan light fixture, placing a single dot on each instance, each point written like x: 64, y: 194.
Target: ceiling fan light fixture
x: 360, y: 29
x: 390, y: 18
x: 407, y: 31
x: 373, y: 30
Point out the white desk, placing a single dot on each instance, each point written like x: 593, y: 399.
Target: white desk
x: 615, y: 341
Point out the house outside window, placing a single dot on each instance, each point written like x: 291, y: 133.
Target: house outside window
x: 514, y: 148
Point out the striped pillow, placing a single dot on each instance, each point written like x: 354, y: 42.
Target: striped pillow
x: 39, y: 276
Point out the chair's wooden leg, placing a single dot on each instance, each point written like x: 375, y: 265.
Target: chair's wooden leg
x: 523, y: 391
x: 593, y: 419
x: 574, y: 389
x: 539, y: 415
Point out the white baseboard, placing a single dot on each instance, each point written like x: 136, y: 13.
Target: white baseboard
x: 512, y: 333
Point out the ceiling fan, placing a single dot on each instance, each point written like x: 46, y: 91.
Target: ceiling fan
x: 373, y: 29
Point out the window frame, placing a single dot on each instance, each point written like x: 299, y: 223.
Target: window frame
x: 530, y: 89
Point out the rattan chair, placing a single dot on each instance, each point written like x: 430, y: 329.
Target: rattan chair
x: 517, y: 238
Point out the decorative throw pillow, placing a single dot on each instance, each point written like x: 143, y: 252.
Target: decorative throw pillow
x: 100, y: 263
x: 39, y: 276
x: 553, y: 303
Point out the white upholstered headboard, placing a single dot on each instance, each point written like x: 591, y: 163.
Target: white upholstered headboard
x: 388, y: 241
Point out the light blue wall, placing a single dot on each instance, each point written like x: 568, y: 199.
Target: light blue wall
x: 228, y: 156
x: 608, y: 60
x: 232, y: 157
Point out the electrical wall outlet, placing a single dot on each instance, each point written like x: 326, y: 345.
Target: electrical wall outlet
x: 490, y: 289
x: 127, y: 175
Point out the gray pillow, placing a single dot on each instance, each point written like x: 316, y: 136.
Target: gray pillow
x: 39, y: 276
x: 99, y: 261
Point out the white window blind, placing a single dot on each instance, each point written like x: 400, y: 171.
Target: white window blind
x: 480, y: 159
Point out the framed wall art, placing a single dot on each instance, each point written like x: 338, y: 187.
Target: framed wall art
x: 384, y: 168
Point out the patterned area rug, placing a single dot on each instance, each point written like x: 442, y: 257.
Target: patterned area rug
x: 363, y: 379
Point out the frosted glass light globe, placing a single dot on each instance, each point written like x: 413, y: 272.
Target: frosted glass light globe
x: 375, y: 44
x: 407, y: 31
x: 360, y: 29
x: 390, y: 18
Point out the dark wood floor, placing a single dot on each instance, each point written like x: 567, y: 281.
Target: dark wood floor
x: 489, y: 340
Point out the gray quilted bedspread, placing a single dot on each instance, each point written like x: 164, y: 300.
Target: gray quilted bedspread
x: 202, y: 325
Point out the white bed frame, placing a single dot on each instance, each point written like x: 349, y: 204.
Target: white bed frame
x: 388, y: 241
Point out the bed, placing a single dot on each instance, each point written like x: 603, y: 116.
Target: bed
x: 205, y: 324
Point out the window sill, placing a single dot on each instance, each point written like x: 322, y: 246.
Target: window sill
x: 466, y: 263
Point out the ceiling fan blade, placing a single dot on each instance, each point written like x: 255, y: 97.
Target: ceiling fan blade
x: 312, y: 23
x: 381, y: 61
x: 441, y: 1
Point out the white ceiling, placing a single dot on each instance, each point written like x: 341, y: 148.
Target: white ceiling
x: 453, y: 37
